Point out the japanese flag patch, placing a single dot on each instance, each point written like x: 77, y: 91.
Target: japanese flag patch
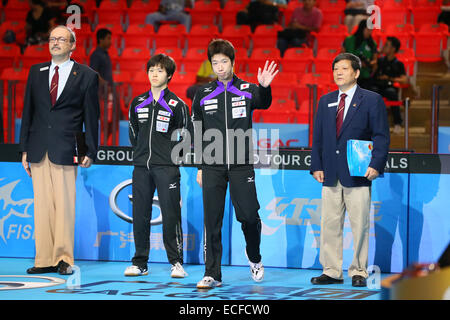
x: 173, y: 103
x: 245, y: 86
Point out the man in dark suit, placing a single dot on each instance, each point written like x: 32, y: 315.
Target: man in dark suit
x: 61, y: 96
x: 348, y: 113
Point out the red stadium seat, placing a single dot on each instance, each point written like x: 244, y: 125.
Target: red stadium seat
x: 134, y: 59
x: 175, y: 53
x: 16, y: 10
x: 392, y: 13
x: 35, y: 54
x: 276, y: 116
x: 139, y: 10
x: 284, y: 104
x: 181, y: 82
x: 324, y: 83
x: 200, y: 35
x: 259, y: 57
x: 283, y: 85
x: 297, y: 60
x: 122, y: 79
x: 422, y: 15
x: 111, y: 11
x: 194, y: 58
x: 403, y: 32
x: 205, y: 12
x: 9, y: 55
x: 332, y: 11
x: 265, y: 36
x: 248, y: 76
x: 21, y: 76
x: 429, y: 42
x: 324, y: 59
x: 140, y: 83
x: 169, y: 35
x: 230, y: 10
x: 139, y: 35
x: 407, y: 56
x: 330, y: 36
x: 238, y: 35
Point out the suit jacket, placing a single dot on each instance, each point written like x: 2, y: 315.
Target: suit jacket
x: 52, y: 129
x: 366, y: 119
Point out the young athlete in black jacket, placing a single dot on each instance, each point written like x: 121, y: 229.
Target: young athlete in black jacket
x: 223, y: 109
x: 154, y: 118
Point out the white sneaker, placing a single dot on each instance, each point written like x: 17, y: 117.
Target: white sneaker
x: 134, y: 271
x: 208, y: 283
x: 257, y: 270
x: 178, y: 271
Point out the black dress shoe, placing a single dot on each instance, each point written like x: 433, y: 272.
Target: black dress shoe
x: 359, y: 281
x: 324, y: 279
x: 64, y: 268
x: 38, y: 270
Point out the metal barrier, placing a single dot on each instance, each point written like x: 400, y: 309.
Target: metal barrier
x: 435, y: 99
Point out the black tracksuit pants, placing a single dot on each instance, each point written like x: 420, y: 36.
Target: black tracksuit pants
x: 245, y: 202
x: 166, y: 180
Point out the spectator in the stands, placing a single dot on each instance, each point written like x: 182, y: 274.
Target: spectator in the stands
x: 304, y: 19
x: 100, y: 60
x: 444, y: 16
x: 260, y: 12
x: 355, y: 11
x: 205, y: 74
x: 362, y: 45
x: 39, y: 22
x: 389, y: 70
x: 171, y: 10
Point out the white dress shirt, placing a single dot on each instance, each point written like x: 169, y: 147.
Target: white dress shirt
x: 63, y: 71
x: 348, y: 99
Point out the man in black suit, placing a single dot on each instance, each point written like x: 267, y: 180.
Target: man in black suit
x: 61, y: 96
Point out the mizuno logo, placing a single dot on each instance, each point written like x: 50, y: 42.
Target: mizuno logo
x: 250, y: 179
x: 209, y: 89
x: 172, y: 185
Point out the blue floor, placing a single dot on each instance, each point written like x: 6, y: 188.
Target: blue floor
x: 98, y: 280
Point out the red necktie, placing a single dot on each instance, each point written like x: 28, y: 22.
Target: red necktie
x: 54, y: 86
x: 340, y: 113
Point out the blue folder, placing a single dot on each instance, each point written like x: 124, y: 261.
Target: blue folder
x: 359, y: 154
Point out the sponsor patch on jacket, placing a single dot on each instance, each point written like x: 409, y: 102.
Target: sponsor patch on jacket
x: 239, y: 112
x: 238, y: 98
x: 164, y: 113
x: 245, y: 86
x: 142, y: 115
x: 210, y: 107
x: 173, y: 103
x: 142, y: 110
x: 162, y: 118
x: 162, y: 126
x: 212, y: 101
x: 238, y: 103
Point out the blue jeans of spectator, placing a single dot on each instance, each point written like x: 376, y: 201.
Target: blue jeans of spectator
x: 180, y: 17
x: 284, y: 44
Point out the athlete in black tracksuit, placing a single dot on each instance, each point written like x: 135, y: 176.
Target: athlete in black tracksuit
x: 226, y: 109
x: 151, y: 125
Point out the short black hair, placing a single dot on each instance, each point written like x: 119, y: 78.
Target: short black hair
x: 395, y: 43
x: 165, y: 62
x: 354, y: 60
x: 102, y: 34
x: 221, y: 46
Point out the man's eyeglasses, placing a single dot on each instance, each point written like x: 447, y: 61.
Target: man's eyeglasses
x: 59, y: 39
